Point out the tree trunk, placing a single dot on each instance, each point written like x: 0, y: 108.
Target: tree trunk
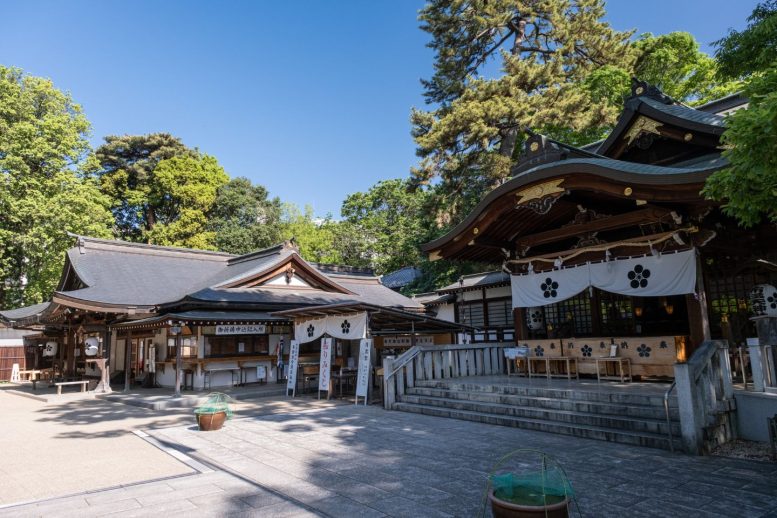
x: 150, y: 218
x: 507, y: 146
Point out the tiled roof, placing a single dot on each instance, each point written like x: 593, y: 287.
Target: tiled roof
x: 13, y: 315
x: 685, y: 112
x: 128, y: 274
x: 401, y: 278
x: 478, y: 280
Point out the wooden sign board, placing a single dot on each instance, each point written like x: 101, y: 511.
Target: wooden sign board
x: 291, y: 379
x: 325, y: 365
x: 241, y: 330
x: 363, y: 374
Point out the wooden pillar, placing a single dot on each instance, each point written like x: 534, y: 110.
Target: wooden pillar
x: 519, y: 321
x: 127, y: 360
x: 178, y: 362
x: 698, y: 313
x: 71, y: 352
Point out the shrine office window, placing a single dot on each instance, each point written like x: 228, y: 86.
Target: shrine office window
x: 236, y: 345
x: 471, y: 314
x: 188, y: 347
x: 500, y: 313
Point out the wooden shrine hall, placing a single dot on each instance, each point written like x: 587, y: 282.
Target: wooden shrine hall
x: 614, y: 244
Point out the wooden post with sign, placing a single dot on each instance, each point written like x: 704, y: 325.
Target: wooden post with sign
x: 325, y: 367
x: 365, y: 368
x: 291, y: 379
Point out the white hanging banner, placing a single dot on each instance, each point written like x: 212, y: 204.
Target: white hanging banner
x: 347, y: 327
x: 325, y: 364
x: 363, y: 375
x: 649, y: 276
x: 309, y: 330
x: 291, y: 379
x: 541, y: 289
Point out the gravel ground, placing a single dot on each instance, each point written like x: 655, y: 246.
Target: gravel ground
x: 742, y: 449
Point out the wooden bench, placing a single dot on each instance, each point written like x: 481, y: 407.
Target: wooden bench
x: 619, y: 374
x: 59, y: 385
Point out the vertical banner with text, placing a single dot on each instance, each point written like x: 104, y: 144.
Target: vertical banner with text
x: 325, y: 365
x: 365, y: 366
x: 291, y: 379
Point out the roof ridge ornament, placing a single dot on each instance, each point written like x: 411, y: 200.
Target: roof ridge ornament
x: 644, y: 89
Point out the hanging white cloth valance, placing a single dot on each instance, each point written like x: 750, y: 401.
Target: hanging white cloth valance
x: 649, y: 276
x: 310, y: 330
x: 345, y: 327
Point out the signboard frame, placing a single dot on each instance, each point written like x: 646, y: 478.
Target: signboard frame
x: 364, y: 373
x: 243, y: 329
x: 291, y: 378
x: 325, y: 366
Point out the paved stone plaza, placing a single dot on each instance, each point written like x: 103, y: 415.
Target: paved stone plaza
x: 363, y: 461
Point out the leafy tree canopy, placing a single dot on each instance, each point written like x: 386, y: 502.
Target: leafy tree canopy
x: 315, y: 237
x: 390, y: 221
x: 187, y: 187
x: 754, y: 49
x: 161, y: 189
x: 46, y: 189
x: 748, y: 187
x: 243, y: 219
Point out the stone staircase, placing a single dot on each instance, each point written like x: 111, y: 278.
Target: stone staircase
x: 622, y: 417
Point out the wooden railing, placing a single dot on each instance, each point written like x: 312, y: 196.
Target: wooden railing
x: 430, y: 362
x: 705, y: 396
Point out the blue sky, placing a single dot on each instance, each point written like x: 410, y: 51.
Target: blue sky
x: 309, y: 98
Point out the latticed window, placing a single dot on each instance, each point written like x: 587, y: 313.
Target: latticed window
x: 571, y: 317
x: 472, y: 314
x: 500, y: 313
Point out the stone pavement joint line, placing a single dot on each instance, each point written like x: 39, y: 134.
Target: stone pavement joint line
x: 364, y: 461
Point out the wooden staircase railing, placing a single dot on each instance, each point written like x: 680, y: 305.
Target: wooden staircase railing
x: 431, y: 362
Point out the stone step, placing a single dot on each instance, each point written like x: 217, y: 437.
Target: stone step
x: 578, y: 393
x: 574, y: 418
x: 552, y: 403
x: 650, y: 440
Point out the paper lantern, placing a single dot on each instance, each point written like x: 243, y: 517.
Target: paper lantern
x: 535, y: 320
x: 50, y: 349
x: 91, y: 346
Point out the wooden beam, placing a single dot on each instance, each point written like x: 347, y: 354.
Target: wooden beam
x: 549, y: 257
x: 648, y: 215
x: 494, y: 243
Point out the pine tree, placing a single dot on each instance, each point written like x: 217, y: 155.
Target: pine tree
x: 546, y: 48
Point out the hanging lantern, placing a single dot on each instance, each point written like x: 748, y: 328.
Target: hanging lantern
x: 91, y: 346
x: 535, y: 320
x: 763, y: 298
x: 50, y: 350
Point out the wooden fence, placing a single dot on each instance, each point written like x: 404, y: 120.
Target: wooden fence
x: 9, y: 356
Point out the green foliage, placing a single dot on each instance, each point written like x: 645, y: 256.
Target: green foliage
x: 315, y: 237
x: 740, y: 54
x: 184, y: 191
x: 127, y: 165
x: 243, y: 219
x: 391, y: 221
x: 674, y: 63
x: 749, y: 185
x: 161, y: 190
x: 46, y: 189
